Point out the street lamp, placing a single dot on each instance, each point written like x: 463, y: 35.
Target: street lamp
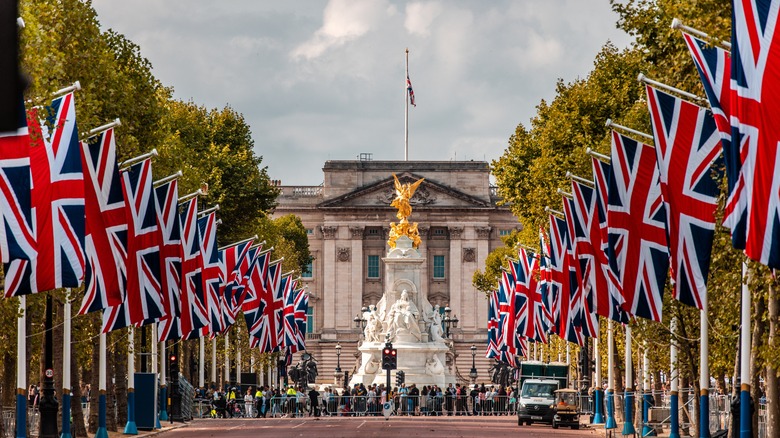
x: 360, y: 322
x: 473, y: 372
x: 338, y: 358
x: 449, y: 322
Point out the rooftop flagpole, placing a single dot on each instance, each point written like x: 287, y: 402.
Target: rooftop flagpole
x: 406, y: 113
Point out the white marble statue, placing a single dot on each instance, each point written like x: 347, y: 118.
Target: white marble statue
x: 373, y: 330
x: 437, y: 334
x: 433, y: 366
x: 403, y: 317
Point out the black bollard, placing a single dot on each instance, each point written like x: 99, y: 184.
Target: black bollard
x: 49, y: 404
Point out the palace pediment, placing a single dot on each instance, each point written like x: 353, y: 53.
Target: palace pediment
x: 431, y: 194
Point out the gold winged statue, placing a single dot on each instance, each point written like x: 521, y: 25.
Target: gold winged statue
x: 404, y: 193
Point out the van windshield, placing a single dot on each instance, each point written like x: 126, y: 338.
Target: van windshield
x: 538, y: 390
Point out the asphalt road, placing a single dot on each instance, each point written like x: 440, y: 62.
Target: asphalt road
x: 363, y: 427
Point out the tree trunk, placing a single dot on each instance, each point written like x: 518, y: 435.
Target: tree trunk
x: 772, y: 390
x: 120, y: 385
x: 77, y: 427
x: 759, y: 328
x: 94, y: 389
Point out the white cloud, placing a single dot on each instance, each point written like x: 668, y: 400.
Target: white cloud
x: 419, y: 17
x: 343, y: 21
x: 543, y: 51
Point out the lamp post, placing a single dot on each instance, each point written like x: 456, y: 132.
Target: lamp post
x: 473, y: 372
x: 449, y: 321
x: 360, y: 322
x: 337, y: 372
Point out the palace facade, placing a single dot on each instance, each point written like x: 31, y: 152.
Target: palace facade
x: 347, y: 219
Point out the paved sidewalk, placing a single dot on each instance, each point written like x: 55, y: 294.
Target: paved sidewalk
x: 165, y: 427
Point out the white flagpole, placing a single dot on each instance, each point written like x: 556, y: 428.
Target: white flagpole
x: 227, y: 358
x: 102, y: 432
x: 745, y: 410
x: 21, y: 369
x: 611, y: 424
x: 214, y: 363
x: 674, y: 420
x: 202, y: 364
x: 66, y: 328
x: 155, y: 369
x: 130, y: 428
x: 598, y: 394
x: 704, y: 371
x: 163, y: 383
x: 406, y: 114
x: 628, y: 421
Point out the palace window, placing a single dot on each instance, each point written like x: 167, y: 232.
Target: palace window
x: 373, y: 266
x: 503, y: 233
x: 438, y: 267
x: 308, y: 270
x: 310, y: 319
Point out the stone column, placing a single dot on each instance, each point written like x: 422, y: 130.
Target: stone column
x: 329, y: 277
x: 478, y: 312
x: 423, y: 250
x: 455, y: 274
x: 356, y: 264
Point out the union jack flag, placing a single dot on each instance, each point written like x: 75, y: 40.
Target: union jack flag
x: 585, y: 319
x: 686, y: 146
x: 289, y: 325
x: 409, y: 90
x: 509, y: 337
x: 105, y: 245
x: 269, y: 328
x: 234, y: 263
x: 602, y: 172
x: 166, y: 205
x: 532, y: 317
x: 17, y: 238
x: 144, y: 290
x: 194, y: 314
x: 563, y: 316
x: 638, y: 248
x: 545, y: 279
x: 492, y: 328
x: 116, y: 317
x: 754, y: 118
x: 211, y: 275
x: 57, y: 200
x: 714, y: 66
x: 301, y: 310
x: 253, y: 306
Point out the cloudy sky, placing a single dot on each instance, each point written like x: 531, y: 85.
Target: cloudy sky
x: 324, y: 79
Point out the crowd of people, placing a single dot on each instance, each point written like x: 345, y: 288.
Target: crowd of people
x: 359, y: 400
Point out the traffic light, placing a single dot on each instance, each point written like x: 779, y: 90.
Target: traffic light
x: 400, y: 377
x: 389, y: 358
x: 174, y: 363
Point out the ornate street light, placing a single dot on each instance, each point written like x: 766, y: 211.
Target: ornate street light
x: 473, y: 372
x: 449, y: 322
x: 338, y: 358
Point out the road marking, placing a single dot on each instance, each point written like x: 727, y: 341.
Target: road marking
x: 361, y: 424
x: 299, y: 425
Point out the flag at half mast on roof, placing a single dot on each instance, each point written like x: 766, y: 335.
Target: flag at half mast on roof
x: 409, y: 89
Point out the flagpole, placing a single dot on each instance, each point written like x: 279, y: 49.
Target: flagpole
x: 66, y: 368
x: 406, y: 113
x: 130, y: 428
x: 155, y: 368
x: 598, y: 393
x: 674, y: 431
x: 101, y: 431
x: 628, y: 423
x: 646, y: 429
x: 21, y: 369
x: 610, y: 376
x: 704, y: 371
x: 227, y: 358
x: 745, y: 414
x: 202, y: 364
x: 214, y: 363
x: 238, y: 358
x: 163, y: 383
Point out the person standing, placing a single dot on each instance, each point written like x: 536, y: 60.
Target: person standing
x: 314, y: 402
x: 249, y: 401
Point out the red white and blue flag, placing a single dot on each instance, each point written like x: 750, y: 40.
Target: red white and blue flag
x: 532, y: 317
x: 255, y: 278
x: 211, y: 274
x: 105, y: 245
x: 560, y: 281
x: 269, y: 328
x: 57, y: 200
x: 144, y: 289
x: 687, y: 147
x: 194, y: 314
x: 585, y: 318
x: 234, y: 264
x: 509, y: 338
x: 755, y: 77
x: 301, y: 310
x: 714, y: 66
x: 289, y: 325
x: 602, y: 172
x: 409, y: 90
x: 638, y: 248
x: 166, y: 206
x: 17, y: 237
x: 492, y: 328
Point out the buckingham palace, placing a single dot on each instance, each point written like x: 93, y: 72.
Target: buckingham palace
x: 347, y: 219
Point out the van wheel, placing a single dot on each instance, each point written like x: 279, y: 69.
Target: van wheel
x: 554, y: 425
x: 519, y: 421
